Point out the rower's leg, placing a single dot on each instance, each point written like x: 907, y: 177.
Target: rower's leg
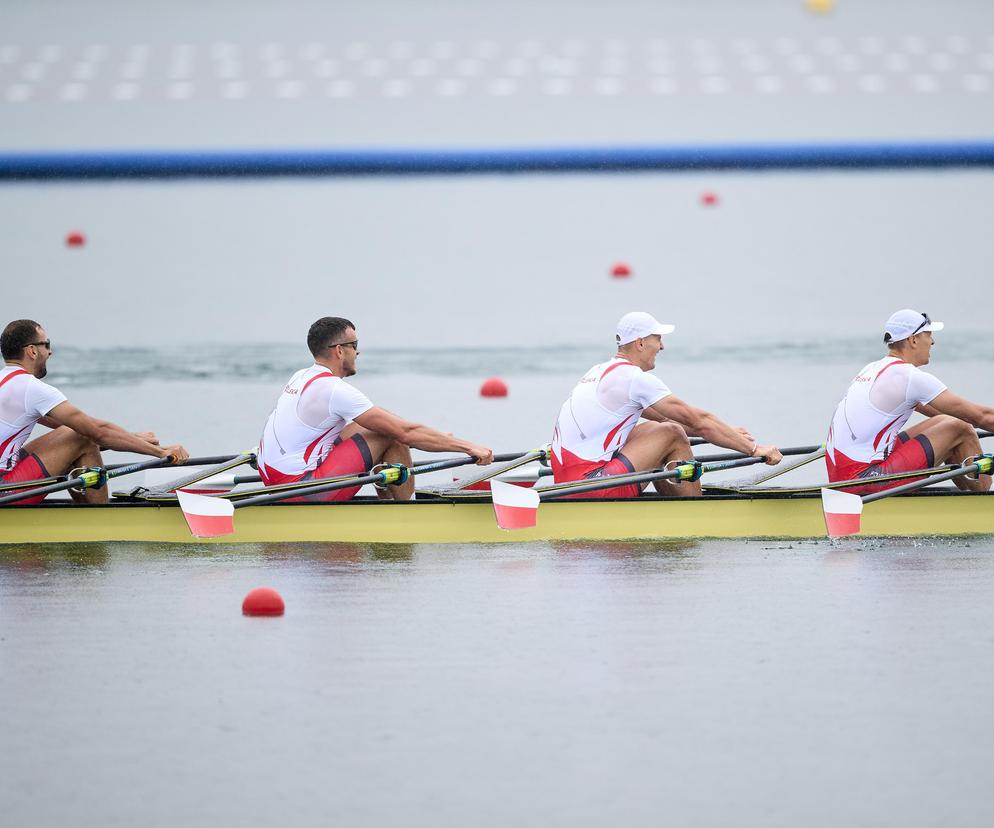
x: 651, y: 445
x: 63, y: 450
x: 399, y: 453
x: 385, y: 449
x: 953, y: 440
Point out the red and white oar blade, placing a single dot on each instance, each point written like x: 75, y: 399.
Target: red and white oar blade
x: 207, y: 517
x: 515, y: 506
x: 842, y: 512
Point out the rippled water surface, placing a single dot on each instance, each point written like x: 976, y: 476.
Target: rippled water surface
x: 644, y: 684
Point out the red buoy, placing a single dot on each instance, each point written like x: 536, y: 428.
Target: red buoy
x: 709, y: 199
x: 493, y: 387
x: 75, y: 239
x: 263, y: 601
x: 621, y: 270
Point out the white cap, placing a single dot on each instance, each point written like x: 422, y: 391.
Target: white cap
x: 637, y: 324
x: 907, y: 322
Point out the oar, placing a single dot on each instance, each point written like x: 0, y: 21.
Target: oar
x: 211, y: 517
x: 164, y: 491
x: 223, y: 487
x: 501, y: 465
x: 516, y: 507
x: 843, y: 510
x: 44, y: 481
x: 735, y: 455
x: 87, y: 479
x: 794, y: 450
x: 21, y: 484
x: 193, y: 461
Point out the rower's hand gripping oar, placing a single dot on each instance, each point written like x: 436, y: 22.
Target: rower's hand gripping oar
x: 211, y: 517
x: 89, y: 478
x: 516, y: 507
x: 843, y: 510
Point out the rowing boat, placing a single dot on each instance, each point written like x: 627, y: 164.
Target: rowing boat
x: 772, y: 514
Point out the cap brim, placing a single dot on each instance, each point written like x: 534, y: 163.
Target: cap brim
x: 934, y: 326
x: 668, y: 329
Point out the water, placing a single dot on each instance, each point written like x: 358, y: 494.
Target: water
x: 747, y: 683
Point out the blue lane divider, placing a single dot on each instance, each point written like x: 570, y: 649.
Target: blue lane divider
x: 211, y: 163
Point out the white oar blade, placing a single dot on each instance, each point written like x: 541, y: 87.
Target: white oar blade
x: 842, y: 512
x: 207, y: 517
x: 515, y: 506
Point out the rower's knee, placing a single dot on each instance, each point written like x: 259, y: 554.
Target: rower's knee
x: 959, y: 429
x: 671, y: 433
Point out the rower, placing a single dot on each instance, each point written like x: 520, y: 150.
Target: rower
x: 868, y: 438
x: 324, y: 427
x: 76, y: 438
x: 598, y: 432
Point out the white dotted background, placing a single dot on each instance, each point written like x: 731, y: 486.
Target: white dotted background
x: 307, y: 72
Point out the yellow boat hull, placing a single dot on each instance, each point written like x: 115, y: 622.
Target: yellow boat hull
x: 436, y: 521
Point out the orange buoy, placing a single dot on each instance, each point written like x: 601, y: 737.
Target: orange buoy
x: 493, y: 387
x: 709, y: 199
x: 75, y: 239
x: 263, y: 601
x: 621, y: 270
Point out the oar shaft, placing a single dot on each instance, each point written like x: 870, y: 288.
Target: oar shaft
x: 734, y: 455
x: 193, y: 461
x: 613, y: 481
x: 335, y: 485
x: 41, y: 490
x: 959, y: 471
x: 82, y: 479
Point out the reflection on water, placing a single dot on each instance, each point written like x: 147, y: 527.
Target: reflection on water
x: 338, y: 553
x: 48, y: 557
x: 661, y: 555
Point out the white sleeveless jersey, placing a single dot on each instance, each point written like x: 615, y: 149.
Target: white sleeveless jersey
x: 24, y: 399
x: 874, y: 410
x: 309, y: 415
x: 601, y: 412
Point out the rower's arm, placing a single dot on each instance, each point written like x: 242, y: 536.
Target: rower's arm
x: 979, y: 416
x: 420, y: 436
x: 712, y: 428
x: 704, y: 423
x: 108, y: 435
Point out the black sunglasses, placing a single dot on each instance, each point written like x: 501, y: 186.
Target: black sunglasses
x: 354, y: 345
x: 47, y: 343
x: 925, y: 321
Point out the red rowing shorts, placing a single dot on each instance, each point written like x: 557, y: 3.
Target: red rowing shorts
x: 350, y: 456
x: 28, y: 467
x: 619, y: 464
x: 908, y: 454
